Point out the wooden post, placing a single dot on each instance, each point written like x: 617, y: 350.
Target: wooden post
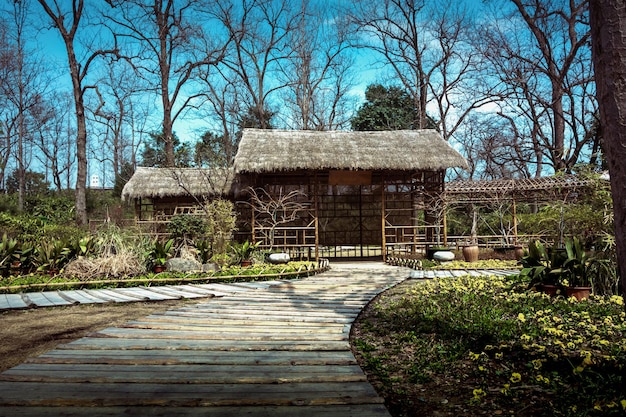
x: 445, y: 226
x: 514, y: 222
x: 315, y: 210
x: 382, y: 216
x: 253, y: 231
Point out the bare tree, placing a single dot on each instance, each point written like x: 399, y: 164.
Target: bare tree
x: 225, y: 104
x: 539, y: 51
x: 115, y: 108
x: 273, y: 210
x: 608, y: 25
x: 426, y: 47
x: 317, y: 73
x: 167, y: 48
x: 259, y: 30
x: 67, y: 23
x: 54, y: 143
x: 22, y: 89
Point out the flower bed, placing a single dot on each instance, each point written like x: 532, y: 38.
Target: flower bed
x: 474, y: 346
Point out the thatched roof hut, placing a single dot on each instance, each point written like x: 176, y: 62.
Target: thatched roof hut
x: 288, y: 150
x: 174, y: 182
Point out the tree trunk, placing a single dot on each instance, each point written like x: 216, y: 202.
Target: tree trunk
x: 608, y: 30
x: 81, y: 138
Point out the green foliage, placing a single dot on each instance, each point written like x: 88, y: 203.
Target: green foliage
x: 387, y: 108
x: 221, y: 223
x: 160, y: 252
x: 34, y: 182
x: 243, y: 251
x: 51, y: 255
x: 8, y: 248
x: 205, y: 252
x: 27, y: 228
x: 153, y: 154
x: 570, y: 266
x: 56, y: 208
x: 187, y: 227
x: 214, y: 151
x: 589, y: 216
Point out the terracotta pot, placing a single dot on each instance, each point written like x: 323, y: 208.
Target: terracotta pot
x: 580, y: 293
x: 519, y: 252
x: 158, y: 268
x: 549, y: 289
x: 470, y: 253
x: 246, y: 262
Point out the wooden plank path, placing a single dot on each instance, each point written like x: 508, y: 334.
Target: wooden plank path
x: 124, y: 295
x: 277, y: 349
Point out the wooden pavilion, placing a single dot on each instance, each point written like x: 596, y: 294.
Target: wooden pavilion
x: 318, y: 193
x: 364, y: 193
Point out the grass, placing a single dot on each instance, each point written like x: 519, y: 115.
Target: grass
x: 486, y: 346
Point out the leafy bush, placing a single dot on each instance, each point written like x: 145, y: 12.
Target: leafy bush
x: 187, y: 227
x: 221, y: 224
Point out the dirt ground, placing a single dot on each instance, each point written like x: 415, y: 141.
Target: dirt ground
x: 28, y: 333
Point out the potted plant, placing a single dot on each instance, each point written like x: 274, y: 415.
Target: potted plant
x: 576, y: 269
x: 542, y: 269
x: 159, y: 253
x: 244, y: 251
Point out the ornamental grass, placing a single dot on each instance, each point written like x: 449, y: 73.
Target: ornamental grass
x: 487, y: 346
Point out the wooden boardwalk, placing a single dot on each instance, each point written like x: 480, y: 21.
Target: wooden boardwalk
x: 278, y: 349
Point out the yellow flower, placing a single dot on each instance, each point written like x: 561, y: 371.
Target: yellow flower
x: 479, y: 393
x: 543, y: 379
x: 499, y: 355
x: 617, y: 299
x: 506, y: 389
x: 516, y: 377
x: 536, y: 363
x: 474, y: 356
x: 481, y: 368
x: 521, y: 317
x: 623, y: 403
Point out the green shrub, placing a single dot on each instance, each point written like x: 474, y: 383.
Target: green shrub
x: 187, y: 227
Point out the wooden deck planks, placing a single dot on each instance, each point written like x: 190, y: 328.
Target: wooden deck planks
x: 278, y: 349
x: 337, y: 410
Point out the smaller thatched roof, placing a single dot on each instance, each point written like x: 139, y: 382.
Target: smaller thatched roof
x: 170, y: 182
x: 520, y: 188
x: 398, y: 150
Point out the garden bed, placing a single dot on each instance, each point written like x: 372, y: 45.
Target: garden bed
x: 264, y: 272
x: 487, y: 346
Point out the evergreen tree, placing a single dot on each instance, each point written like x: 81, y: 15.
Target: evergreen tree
x: 387, y: 108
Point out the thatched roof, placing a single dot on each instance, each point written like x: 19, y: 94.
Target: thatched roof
x: 169, y: 182
x: 399, y: 150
